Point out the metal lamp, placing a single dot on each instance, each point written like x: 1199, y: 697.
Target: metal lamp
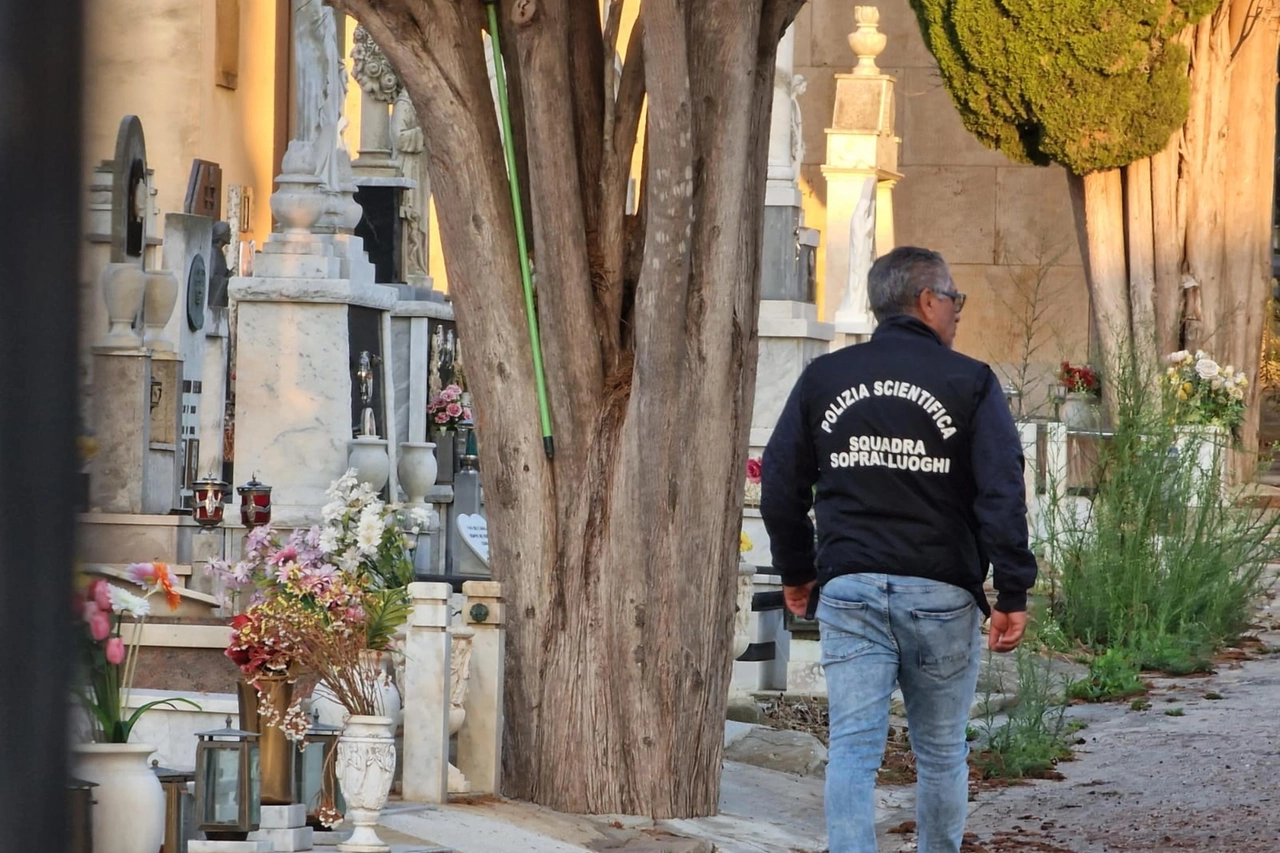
x: 174, y: 783
x: 207, y: 500
x: 313, y: 769
x: 228, y: 801
x: 80, y: 807
x: 255, y: 503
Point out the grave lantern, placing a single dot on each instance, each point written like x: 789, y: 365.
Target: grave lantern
x: 174, y: 783
x: 255, y: 503
x: 80, y: 807
x: 207, y: 501
x: 228, y: 791
x: 315, y: 770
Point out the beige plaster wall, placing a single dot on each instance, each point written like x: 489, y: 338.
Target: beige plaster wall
x: 994, y: 220
x: 156, y: 59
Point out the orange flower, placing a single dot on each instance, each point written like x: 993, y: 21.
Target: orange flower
x: 157, y: 577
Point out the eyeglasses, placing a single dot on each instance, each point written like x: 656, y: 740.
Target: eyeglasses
x: 957, y: 298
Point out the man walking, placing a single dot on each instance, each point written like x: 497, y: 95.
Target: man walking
x: 908, y: 455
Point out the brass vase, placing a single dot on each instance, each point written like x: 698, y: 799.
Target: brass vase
x: 275, y: 752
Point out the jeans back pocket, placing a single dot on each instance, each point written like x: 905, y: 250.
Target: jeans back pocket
x: 944, y: 639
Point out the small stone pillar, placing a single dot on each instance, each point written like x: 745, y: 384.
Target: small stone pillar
x: 480, y: 740
x: 861, y: 171
x: 426, y: 692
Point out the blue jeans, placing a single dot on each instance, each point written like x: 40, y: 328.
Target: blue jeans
x: 923, y: 634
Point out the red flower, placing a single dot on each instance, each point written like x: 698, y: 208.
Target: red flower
x: 754, y: 471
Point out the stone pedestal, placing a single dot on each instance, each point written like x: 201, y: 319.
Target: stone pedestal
x: 284, y: 828
x: 164, y: 464
x: 294, y: 376
x: 790, y: 337
x: 121, y: 417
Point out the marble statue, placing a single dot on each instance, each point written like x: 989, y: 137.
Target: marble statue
x: 410, y: 148
x: 321, y: 88
x: 433, y: 369
x: 862, y: 253
x: 797, y: 87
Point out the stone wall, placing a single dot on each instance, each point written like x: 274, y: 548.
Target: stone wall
x: 994, y: 220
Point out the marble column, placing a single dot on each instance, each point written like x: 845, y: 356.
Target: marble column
x: 426, y: 691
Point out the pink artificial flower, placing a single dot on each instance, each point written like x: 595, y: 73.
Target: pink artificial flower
x: 115, y: 651
x: 101, y: 597
x: 453, y: 392
x: 466, y: 413
x: 442, y: 418
x: 100, y: 625
x: 284, y: 555
x: 753, y: 471
x: 453, y: 410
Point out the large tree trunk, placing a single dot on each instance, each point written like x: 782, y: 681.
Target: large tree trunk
x: 618, y: 557
x: 1196, y: 217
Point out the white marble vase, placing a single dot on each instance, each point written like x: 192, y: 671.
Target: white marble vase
x: 368, y: 455
x: 161, y: 295
x: 1080, y: 412
x: 365, y: 766
x: 129, y: 810
x: 417, y: 469
x: 123, y: 287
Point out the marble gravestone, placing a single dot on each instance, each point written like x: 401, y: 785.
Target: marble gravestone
x: 474, y: 532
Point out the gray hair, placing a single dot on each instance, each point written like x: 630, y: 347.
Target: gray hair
x: 896, y: 279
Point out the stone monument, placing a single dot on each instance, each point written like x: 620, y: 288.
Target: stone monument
x: 861, y: 171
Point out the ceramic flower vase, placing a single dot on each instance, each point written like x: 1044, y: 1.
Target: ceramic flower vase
x: 123, y: 287
x: 129, y: 810
x: 366, y: 763
x: 368, y: 455
x: 417, y: 469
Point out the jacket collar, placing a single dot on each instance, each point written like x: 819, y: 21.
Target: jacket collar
x: 904, y: 326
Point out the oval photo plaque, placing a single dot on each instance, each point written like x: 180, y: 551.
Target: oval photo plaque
x: 197, y: 286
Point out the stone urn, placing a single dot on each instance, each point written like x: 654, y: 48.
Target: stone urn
x: 366, y: 763
x: 867, y: 42
x: 299, y: 202
x: 157, y: 307
x: 123, y: 288
x: 380, y: 663
x: 129, y: 810
x: 417, y: 469
x: 1080, y: 412
x: 367, y: 454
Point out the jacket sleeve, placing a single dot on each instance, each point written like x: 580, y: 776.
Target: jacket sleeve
x: 788, y: 472
x: 1000, y: 504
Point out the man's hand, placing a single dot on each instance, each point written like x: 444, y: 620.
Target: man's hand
x: 797, y: 598
x: 1006, y: 630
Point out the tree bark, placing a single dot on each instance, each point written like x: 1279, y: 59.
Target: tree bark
x: 1098, y: 198
x: 1198, y: 214
x: 618, y: 557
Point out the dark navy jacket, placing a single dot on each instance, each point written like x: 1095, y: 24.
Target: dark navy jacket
x: 908, y: 455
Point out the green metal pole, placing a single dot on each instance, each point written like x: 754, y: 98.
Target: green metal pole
x: 513, y: 180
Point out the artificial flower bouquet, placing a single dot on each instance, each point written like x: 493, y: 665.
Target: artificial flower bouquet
x: 1077, y: 379
x: 447, y: 410
x: 1201, y: 392
x: 109, y: 664
x: 751, y: 495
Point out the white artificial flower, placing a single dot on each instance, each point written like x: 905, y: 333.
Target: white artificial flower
x: 349, y: 561
x: 1207, y: 368
x: 328, y: 540
x: 1228, y: 371
x: 422, y: 517
x: 1201, y: 355
x: 1236, y: 392
x: 123, y: 601
x: 369, y: 532
x: 1216, y: 383
x: 1176, y: 357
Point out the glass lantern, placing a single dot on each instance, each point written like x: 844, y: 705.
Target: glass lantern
x: 207, y: 501
x: 314, y: 770
x: 228, y: 791
x: 255, y: 503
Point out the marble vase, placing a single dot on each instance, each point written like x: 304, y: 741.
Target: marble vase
x: 160, y: 296
x: 417, y: 469
x: 1080, y: 412
x: 368, y: 456
x: 129, y: 810
x: 123, y: 288
x: 444, y: 439
x: 366, y: 763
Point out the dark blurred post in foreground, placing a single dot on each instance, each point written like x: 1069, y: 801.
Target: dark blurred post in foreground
x: 40, y: 168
